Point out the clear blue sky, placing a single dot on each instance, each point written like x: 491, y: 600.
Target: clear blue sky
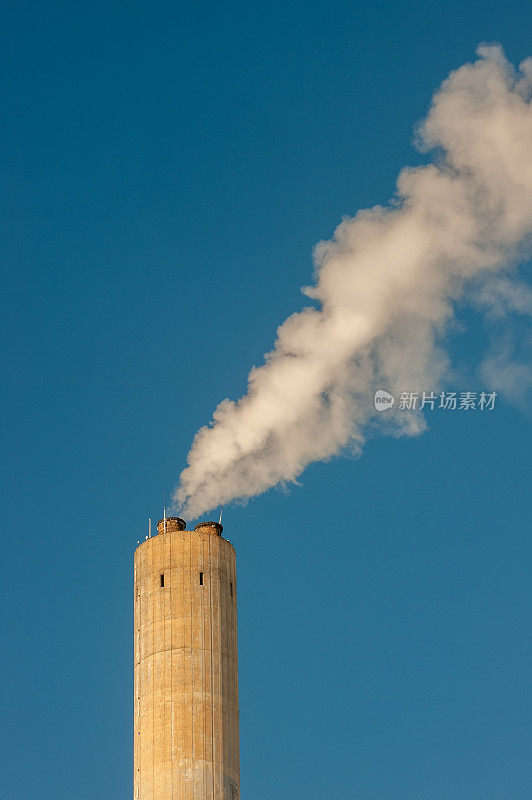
x: 166, y: 170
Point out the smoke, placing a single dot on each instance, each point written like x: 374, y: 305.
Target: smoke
x: 385, y: 289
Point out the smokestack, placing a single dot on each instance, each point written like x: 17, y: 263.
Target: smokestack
x: 186, y: 665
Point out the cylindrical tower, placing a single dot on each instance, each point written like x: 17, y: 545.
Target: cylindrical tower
x: 186, y: 670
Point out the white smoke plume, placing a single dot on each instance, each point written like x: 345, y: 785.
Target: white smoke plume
x: 385, y: 290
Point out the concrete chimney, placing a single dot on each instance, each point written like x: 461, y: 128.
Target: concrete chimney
x: 186, y: 666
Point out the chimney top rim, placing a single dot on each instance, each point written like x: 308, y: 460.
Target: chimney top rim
x: 210, y: 524
x: 179, y: 520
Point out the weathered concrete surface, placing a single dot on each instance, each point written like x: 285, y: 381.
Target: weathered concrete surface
x: 186, y: 670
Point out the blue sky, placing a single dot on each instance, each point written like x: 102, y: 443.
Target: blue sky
x: 166, y: 171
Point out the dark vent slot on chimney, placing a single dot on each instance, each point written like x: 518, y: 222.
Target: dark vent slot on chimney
x: 162, y: 580
x: 231, y: 586
x: 201, y: 578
